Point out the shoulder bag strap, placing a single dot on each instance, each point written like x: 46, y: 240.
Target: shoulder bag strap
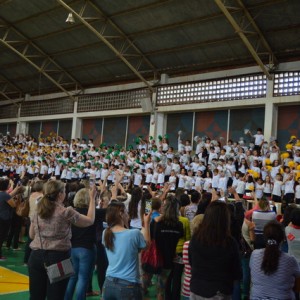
x: 37, y: 221
x: 44, y: 254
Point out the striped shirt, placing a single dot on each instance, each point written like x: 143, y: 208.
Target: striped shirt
x: 185, y: 289
x: 277, y: 286
x: 261, y: 218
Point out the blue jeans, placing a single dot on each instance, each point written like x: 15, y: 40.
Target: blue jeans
x: 83, y: 262
x: 246, y: 276
x: 116, y: 289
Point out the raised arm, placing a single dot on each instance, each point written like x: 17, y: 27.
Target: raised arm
x: 146, y: 228
x: 166, y: 189
x: 89, y: 219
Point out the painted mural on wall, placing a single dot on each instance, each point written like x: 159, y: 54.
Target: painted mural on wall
x: 114, y: 131
x: 92, y: 128
x: 288, y: 123
x: 212, y: 124
x: 137, y: 126
x: 179, y: 122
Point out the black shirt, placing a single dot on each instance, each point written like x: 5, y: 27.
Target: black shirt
x: 86, y: 237
x: 166, y: 238
x: 214, y: 268
x: 5, y: 209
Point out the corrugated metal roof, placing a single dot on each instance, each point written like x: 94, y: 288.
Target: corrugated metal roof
x: 176, y: 37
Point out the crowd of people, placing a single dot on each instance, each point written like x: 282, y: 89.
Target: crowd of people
x: 213, y: 221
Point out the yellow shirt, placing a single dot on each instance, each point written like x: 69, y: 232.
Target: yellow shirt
x: 186, y: 234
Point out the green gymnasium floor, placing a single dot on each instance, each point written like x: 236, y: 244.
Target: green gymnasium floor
x: 14, y: 285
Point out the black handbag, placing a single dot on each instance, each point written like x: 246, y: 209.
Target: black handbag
x: 245, y: 249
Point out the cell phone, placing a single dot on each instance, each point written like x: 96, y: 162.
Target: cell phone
x: 19, y: 183
x: 92, y: 182
x: 148, y: 207
x: 145, y: 187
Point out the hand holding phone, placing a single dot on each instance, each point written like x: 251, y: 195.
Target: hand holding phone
x: 92, y: 182
x: 148, y: 207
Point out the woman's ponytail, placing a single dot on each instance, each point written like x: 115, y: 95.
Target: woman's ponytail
x: 109, y: 238
x: 274, y: 235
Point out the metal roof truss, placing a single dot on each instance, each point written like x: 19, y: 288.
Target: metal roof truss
x: 32, y: 54
x: 245, y: 25
x: 119, y: 43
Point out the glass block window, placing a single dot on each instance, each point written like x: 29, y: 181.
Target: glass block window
x: 232, y: 88
x: 47, y: 107
x: 9, y: 111
x: 112, y: 101
x: 286, y: 84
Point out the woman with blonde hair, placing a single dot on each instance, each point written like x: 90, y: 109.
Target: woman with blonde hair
x: 260, y: 218
x: 50, y: 231
x: 83, y: 250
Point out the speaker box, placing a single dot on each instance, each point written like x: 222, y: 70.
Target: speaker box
x: 146, y: 104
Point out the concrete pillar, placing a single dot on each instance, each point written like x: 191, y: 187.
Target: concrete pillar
x: 22, y: 128
x: 164, y: 78
x: 76, y: 124
x: 271, y: 113
x: 161, y: 124
x: 271, y: 117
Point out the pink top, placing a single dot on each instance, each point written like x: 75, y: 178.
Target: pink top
x: 55, y: 231
x: 248, y: 214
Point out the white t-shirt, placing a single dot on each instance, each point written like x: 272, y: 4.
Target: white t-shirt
x: 137, y: 222
x: 289, y: 187
x: 297, y: 191
x: 172, y: 181
x: 259, y: 138
x: 277, y: 187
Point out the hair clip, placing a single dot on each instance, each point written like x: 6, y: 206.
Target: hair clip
x: 271, y: 242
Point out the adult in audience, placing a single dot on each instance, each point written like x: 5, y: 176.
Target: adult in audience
x: 34, y: 198
x: 7, y: 204
x: 273, y: 272
x: 167, y: 230
x: 260, y: 218
x: 214, y: 256
x: 122, y: 247
x: 50, y: 231
x: 292, y: 232
x: 83, y: 250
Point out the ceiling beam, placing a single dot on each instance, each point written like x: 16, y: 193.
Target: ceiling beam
x: 36, y: 57
x: 158, y: 28
x: 96, y: 44
x: 101, y: 35
x: 40, y: 69
x: 30, y: 44
x: 197, y: 20
x: 41, y: 14
x: 130, y: 45
x: 9, y: 90
x: 243, y: 37
x: 150, y: 53
x: 14, y: 88
x: 273, y: 60
x: 140, y: 8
